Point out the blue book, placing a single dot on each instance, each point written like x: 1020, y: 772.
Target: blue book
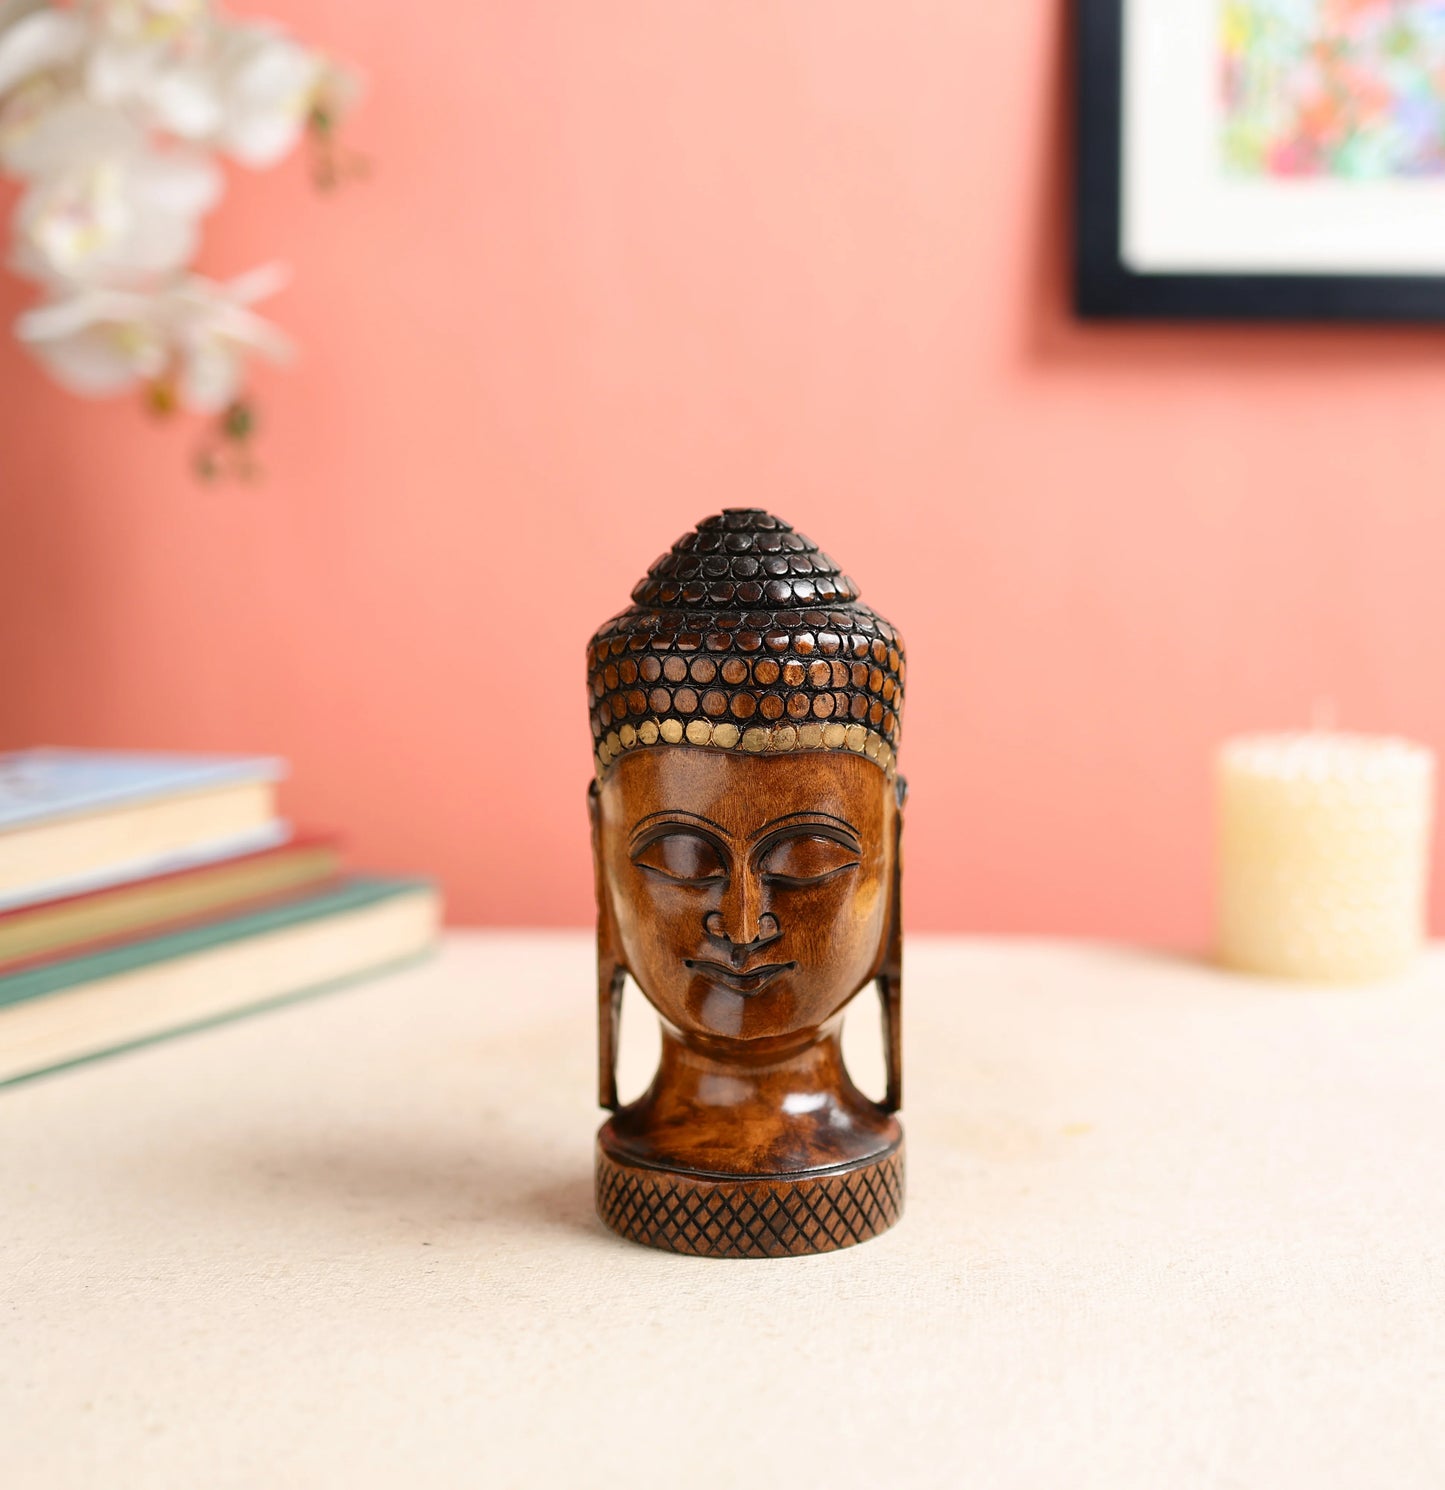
x: 51, y: 782
x: 78, y: 820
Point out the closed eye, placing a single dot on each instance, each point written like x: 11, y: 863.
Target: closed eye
x: 682, y: 855
x: 805, y: 859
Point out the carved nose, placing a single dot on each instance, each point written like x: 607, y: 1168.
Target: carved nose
x: 740, y: 946
x: 739, y: 920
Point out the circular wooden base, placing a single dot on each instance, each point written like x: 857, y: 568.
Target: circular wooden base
x: 772, y: 1216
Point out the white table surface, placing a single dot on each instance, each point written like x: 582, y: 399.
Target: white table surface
x: 1165, y: 1228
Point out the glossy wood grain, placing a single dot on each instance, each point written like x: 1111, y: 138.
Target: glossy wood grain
x: 747, y: 849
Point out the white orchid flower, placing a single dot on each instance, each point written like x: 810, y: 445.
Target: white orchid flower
x: 268, y: 85
x: 157, y: 60
x: 35, y: 39
x: 150, y: 21
x: 40, y: 54
x: 117, y: 215
x: 112, y: 115
x: 214, y: 331
x: 176, y: 94
x: 22, y: 113
x: 195, y: 335
x: 97, y: 342
x: 74, y: 128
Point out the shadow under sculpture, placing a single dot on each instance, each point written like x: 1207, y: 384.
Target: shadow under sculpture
x: 746, y: 823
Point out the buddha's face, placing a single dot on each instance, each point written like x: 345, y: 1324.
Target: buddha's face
x: 751, y: 894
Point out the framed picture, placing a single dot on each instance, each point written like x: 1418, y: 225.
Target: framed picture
x: 1261, y: 159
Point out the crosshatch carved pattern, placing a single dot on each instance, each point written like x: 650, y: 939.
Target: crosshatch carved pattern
x: 750, y: 1218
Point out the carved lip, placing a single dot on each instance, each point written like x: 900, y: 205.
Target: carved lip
x: 748, y: 983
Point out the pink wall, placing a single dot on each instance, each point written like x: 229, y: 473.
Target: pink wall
x: 621, y: 264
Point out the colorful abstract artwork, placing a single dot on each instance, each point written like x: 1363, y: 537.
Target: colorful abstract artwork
x: 1350, y: 89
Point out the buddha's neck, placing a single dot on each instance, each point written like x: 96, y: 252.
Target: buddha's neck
x: 751, y: 1108
x: 780, y: 1076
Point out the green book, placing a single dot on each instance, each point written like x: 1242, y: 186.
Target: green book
x: 112, y: 1000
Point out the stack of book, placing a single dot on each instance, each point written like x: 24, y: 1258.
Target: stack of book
x: 142, y: 895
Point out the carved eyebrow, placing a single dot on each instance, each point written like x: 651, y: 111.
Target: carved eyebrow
x: 674, y: 813
x: 802, y: 818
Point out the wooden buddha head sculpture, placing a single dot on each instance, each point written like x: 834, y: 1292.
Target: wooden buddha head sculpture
x: 746, y: 817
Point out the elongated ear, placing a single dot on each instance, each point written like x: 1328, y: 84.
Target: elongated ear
x: 890, y: 976
x: 611, y: 971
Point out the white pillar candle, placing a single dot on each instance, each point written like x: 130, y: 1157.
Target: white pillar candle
x: 1324, y: 843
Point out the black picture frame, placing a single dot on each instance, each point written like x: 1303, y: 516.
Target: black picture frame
x: 1105, y: 288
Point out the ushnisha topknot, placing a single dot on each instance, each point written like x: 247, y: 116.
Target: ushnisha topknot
x: 745, y: 636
